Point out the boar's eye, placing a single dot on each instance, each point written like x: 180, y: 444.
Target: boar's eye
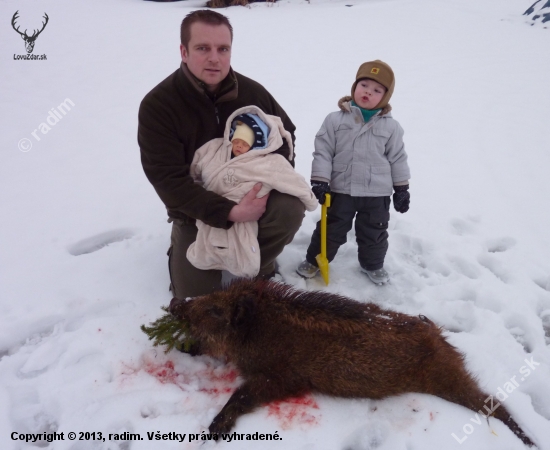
x: 216, y: 312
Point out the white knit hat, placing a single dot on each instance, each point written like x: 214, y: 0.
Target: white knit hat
x: 243, y: 132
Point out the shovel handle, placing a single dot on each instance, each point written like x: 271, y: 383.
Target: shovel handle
x: 324, y: 225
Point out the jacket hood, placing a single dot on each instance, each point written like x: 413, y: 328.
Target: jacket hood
x: 276, y: 131
x: 258, y: 129
x: 345, y: 105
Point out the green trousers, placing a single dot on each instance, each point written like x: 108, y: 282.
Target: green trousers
x: 276, y: 228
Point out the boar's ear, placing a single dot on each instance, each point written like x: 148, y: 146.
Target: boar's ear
x: 243, y: 313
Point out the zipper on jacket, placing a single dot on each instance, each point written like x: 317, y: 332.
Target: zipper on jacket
x: 213, y: 98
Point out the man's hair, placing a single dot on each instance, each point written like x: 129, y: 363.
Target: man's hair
x: 204, y: 16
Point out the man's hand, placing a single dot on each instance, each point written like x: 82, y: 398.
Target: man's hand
x: 250, y: 208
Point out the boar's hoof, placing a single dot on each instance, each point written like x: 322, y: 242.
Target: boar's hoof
x: 222, y: 424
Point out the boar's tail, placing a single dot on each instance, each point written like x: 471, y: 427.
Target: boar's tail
x: 473, y: 398
x: 455, y: 384
x: 502, y: 414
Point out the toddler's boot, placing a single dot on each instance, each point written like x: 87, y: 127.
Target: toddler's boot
x: 378, y: 276
x: 307, y: 270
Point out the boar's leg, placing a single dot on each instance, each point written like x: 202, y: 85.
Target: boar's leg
x: 252, y: 393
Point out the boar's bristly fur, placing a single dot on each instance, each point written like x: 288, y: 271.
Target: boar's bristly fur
x: 287, y: 342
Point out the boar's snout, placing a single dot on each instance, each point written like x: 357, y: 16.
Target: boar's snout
x: 177, y: 307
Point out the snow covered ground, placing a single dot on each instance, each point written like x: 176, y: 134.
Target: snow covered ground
x: 84, y: 237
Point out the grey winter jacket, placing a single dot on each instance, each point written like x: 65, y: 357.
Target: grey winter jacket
x: 357, y: 158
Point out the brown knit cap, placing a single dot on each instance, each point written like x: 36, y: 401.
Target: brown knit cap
x: 378, y: 71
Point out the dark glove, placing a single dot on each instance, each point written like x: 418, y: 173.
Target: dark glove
x: 320, y: 188
x: 401, y: 198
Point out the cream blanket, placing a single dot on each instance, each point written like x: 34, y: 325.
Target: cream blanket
x: 237, y: 249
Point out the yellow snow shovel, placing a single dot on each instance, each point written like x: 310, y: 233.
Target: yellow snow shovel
x: 321, y: 259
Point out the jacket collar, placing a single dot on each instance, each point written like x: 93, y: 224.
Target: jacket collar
x: 345, y: 105
x: 229, y: 89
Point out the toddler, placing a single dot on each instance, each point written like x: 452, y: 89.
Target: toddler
x: 360, y: 159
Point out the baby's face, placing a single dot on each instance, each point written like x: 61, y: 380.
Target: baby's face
x: 240, y: 147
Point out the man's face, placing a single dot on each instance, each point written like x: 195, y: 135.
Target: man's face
x: 368, y: 93
x: 208, y: 55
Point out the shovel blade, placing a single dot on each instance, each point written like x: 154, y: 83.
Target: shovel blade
x: 322, y: 263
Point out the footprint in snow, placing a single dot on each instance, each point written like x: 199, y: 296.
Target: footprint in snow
x: 33, y: 334
x: 462, y: 314
x: 369, y: 438
x: 98, y: 241
x: 543, y: 283
x: 520, y: 329
x: 493, y: 265
x: 545, y: 317
x: 43, y: 353
x: 520, y: 336
x: 500, y: 244
x: 416, y: 252
x: 28, y: 414
x: 465, y: 267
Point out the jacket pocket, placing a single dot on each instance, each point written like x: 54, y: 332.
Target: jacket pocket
x: 381, y: 132
x: 321, y: 132
x: 344, y: 127
x: 338, y: 176
x: 380, y: 138
x: 380, y: 217
x: 343, y: 138
x: 380, y: 178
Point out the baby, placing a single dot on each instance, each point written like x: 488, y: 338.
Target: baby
x: 231, y: 166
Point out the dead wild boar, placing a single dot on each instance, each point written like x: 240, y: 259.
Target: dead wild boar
x: 287, y: 342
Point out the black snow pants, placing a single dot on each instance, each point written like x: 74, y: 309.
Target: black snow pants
x: 371, y: 224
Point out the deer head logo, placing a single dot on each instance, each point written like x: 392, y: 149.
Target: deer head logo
x: 29, y: 40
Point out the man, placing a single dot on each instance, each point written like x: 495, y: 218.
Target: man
x: 183, y: 112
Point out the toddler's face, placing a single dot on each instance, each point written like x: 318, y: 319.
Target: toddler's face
x: 368, y: 93
x: 240, y: 147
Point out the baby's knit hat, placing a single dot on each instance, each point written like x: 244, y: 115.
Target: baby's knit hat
x: 378, y: 71
x: 243, y: 132
x: 254, y: 135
